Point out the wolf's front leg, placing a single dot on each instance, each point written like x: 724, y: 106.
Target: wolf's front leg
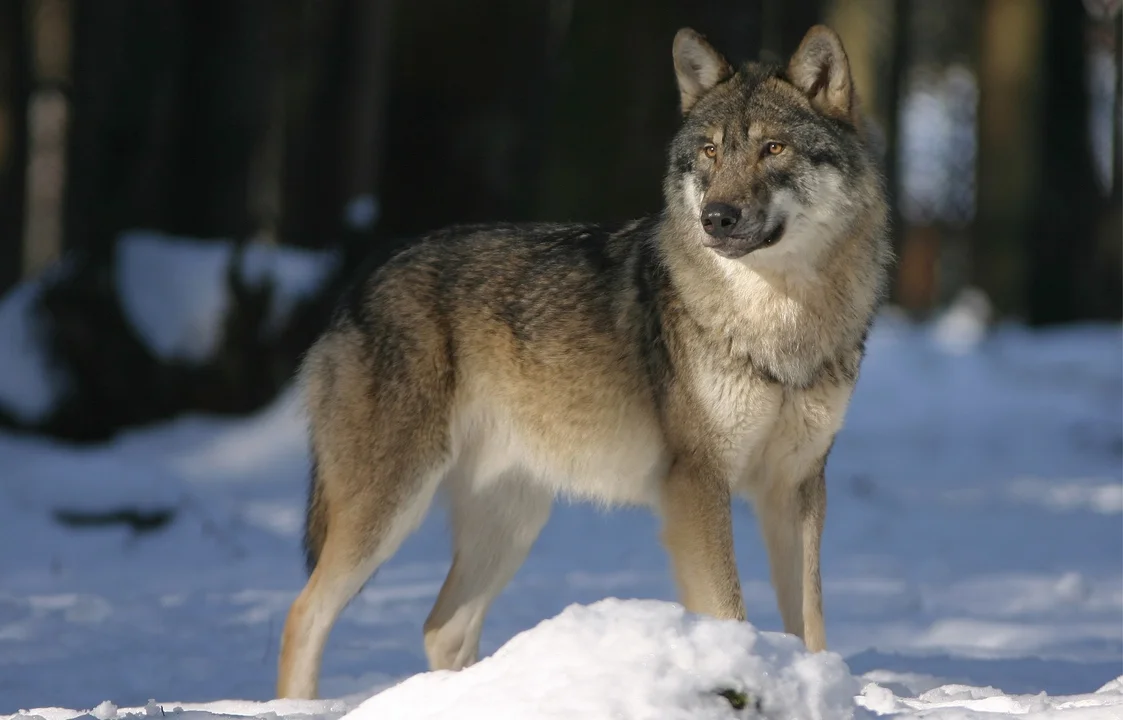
x: 698, y: 535
x: 791, y: 516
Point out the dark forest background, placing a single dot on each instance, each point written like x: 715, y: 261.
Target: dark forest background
x: 346, y: 125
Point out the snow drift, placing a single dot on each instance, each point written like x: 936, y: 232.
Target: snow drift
x: 632, y: 659
x: 641, y: 660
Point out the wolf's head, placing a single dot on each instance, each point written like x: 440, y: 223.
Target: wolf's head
x: 770, y: 160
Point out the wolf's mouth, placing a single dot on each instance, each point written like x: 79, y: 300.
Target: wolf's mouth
x: 742, y: 245
x: 739, y: 244
x: 774, y: 235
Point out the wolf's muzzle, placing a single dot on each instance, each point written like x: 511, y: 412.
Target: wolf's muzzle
x: 732, y: 233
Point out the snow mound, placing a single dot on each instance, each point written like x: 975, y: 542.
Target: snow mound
x: 963, y: 325
x: 29, y: 390
x: 175, y: 291
x: 632, y: 659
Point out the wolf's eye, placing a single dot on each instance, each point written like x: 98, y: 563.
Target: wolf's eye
x: 773, y: 148
x: 710, y: 150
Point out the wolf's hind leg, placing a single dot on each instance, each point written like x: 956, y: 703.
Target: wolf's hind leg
x: 359, y: 538
x: 381, y: 451
x: 336, y: 579
x: 493, y: 530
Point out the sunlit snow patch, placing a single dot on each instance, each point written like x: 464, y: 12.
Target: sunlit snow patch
x: 29, y: 389
x: 175, y: 290
x: 632, y: 659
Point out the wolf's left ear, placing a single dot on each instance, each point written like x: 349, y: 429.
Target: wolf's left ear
x: 698, y: 67
x: 821, y: 70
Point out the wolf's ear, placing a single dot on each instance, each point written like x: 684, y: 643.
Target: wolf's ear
x: 821, y: 70
x: 698, y: 67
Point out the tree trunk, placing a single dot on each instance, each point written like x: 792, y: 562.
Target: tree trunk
x: 310, y: 168
x: 100, y: 151
x: 169, y: 99
x: 796, y: 19
x: 1065, y: 282
x: 370, y: 42
x: 267, y: 161
x: 617, y: 107
x: 1010, y: 149
x: 1117, y: 119
x: 895, y: 77
x: 48, y: 121
x: 225, y: 93
x: 15, y: 92
x: 785, y: 22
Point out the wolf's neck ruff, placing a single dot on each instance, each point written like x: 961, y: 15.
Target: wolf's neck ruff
x: 794, y: 318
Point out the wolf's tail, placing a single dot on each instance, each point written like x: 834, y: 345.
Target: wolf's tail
x: 315, y: 519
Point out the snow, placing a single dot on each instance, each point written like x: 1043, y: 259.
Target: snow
x: 973, y: 566
x: 175, y: 291
x: 964, y: 324
x: 29, y: 389
x: 361, y: 212
x: 1101, y: 107
x: 961, y: 702
x: 635, y: 659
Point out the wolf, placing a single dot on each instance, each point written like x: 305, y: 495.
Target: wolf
x: 673, y: 361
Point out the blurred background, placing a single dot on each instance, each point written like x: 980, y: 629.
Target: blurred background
x: 184, y: 184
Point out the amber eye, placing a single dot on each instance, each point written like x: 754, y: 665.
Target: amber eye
x: 710, y: 150
x: 774, y: 148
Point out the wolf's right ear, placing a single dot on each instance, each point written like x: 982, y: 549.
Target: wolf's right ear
x: 698, y: 67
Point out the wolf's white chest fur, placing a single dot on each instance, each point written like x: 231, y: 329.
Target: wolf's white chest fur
x: 771, y: 432
x: 767, y: 433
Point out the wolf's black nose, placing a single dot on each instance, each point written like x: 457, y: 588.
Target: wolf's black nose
x: 719, y: 219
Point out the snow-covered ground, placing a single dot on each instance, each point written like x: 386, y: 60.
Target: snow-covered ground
x: 973, y: 560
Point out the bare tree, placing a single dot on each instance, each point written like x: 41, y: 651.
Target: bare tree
x: 15, y: 92
x: 1067, y: 276
x: 1010, y: 153
x: 785, y: 22
x: 100, y: 151
x: 895, y: 70
x: 314, y: 87
x: 48, y: 126
x: 363, y: 118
